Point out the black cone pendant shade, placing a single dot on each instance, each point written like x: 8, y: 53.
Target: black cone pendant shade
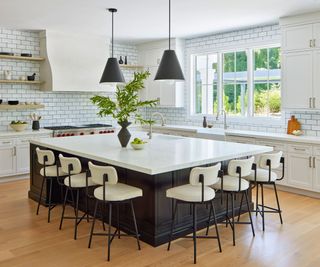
x: 169, y: 68
x: 112, y: 72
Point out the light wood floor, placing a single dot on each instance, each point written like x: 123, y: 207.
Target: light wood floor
x: 27, y: 240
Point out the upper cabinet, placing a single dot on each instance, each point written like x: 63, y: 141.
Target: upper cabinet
x: 301, y: 61
x: 169, y: 93
x: 73, y: 62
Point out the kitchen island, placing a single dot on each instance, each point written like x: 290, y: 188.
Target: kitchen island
x: 165, y: 162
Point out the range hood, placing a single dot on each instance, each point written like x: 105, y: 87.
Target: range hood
x: 74, y: 62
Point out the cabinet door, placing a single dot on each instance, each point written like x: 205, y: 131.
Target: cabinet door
x: 316, y: 34
x: 23, y: 158
x: 316, y: 79
x: 167, y: 93
x: 300, y: 170
x: 7, y: 160
x: 152, y: 86
x: 297, y: 38
x: 316, y: 173
x: 297, y: 80
x: 152, y: 57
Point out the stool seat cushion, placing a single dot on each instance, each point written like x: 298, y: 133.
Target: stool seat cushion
x: 51, y: 171
x: 231, y: 183
x: 78, y: 180
x: 117, y: 192
x: 262, y: 176
x: 191, y: 193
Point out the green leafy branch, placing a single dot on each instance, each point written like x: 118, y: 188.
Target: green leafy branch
x: 127, y: 102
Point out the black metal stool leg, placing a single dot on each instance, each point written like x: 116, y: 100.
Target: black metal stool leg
x: 63, y: 207
x: 109, y: 230
x: 172, y: 224
x: 278, y: 203
x: 232, y: 220
x: 248, y: 205
x: 194, y: 233
x: 43, y: 178
x: 216, y: 225
x: 257, y: 198
x: 240, y: 207
x: 93, y: 223
x: 135, y: 224
x: 76, y: 216
x: 118, y: 221
x: 262, y: 207
x: 209, y: 219
x: 50, y: 196
x: 227, y: 207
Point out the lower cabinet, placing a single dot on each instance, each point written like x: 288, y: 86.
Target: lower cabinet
x: 22, y: 158
x: 7, y: 158
x: 300, y: 171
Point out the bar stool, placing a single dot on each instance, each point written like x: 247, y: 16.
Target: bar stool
x: 49, y: 171
x: 234, y: 183
x: 265, y: 176
x: 111, y: 192
x: 75, y: 181
x: 195, y: 193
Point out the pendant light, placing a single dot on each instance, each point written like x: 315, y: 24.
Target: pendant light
x: 169, y: 68
x: 112, y: 72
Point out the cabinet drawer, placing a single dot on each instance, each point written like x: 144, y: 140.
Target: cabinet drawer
x: 6, y: 142
x: 301, y: 149
x: 23, y: 141
x: 316, y: 151
x: 242, y: 140
x: 275, y: 146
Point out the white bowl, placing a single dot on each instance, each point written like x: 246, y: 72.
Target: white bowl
x: 137, y: 146
x: 19, y: 127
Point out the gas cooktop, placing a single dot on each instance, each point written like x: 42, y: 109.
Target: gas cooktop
x: 68, y: 127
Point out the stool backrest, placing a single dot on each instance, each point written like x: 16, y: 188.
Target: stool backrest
x: 273, y: 158
x: 73, y: 162
x: 210, y: 175
x: 98, y: 173
x: 244, y: 164
x: 45, y: 157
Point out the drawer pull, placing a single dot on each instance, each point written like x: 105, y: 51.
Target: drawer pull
x: 310, y: 164
x: 314, y: 162
x: 6, y: 142
x: 314, y: 102
x: 300, y: 149
x: 310, y: 43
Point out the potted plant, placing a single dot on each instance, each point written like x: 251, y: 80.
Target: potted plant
x: 126, y: 106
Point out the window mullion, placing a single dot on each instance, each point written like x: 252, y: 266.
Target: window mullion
x: 250, y: 67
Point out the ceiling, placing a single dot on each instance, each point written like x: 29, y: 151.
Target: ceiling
x: 142, y: 20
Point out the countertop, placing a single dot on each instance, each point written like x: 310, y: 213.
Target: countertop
x: 12, y: 133
x: 163, y: 153
x: 243, y: 133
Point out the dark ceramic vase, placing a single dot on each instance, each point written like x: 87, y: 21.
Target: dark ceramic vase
x: 124, y: 135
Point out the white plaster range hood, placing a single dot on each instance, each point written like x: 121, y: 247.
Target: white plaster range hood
x: 74, y: 62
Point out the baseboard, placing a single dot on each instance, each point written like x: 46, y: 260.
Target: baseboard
x: 298, y: 191
x: 14, y: 178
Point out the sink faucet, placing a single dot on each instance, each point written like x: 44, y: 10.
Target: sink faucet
x: 162, y: 122
x: 224, y: 113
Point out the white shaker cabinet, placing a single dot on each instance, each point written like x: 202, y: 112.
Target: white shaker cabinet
x: 7, y: 158
x: 297, y: 76
x: 22, y: 158
x: 297, y: 37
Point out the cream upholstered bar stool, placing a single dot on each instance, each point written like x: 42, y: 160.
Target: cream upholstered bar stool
x: 197, y: 192
x: 49, y: 171
x: 265, y: 175
x: 111, y: 192
x: 75, y: 181
x: 232, y: 184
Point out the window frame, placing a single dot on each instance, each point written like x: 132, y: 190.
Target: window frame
x: 249, y: 49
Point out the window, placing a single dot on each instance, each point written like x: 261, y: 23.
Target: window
x: 206, y: 86
x: 243, y: 82
x: 267, y: 94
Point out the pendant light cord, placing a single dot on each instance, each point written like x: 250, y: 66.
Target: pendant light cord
x: 112, y: 36
x: 169, y: 24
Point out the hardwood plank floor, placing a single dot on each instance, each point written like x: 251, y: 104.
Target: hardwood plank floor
x: 28, y: 240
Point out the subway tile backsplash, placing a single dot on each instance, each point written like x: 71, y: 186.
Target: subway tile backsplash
x: 75, y: 107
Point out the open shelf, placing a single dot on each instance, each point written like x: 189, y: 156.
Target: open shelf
x: 20, y: 106
x: 20, y: 81
x: 22, y: 58
x: 131, y: 66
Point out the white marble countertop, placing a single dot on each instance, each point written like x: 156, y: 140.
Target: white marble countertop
x: 163, y: 153
x: 12, y: 133
x: 244, y: 133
